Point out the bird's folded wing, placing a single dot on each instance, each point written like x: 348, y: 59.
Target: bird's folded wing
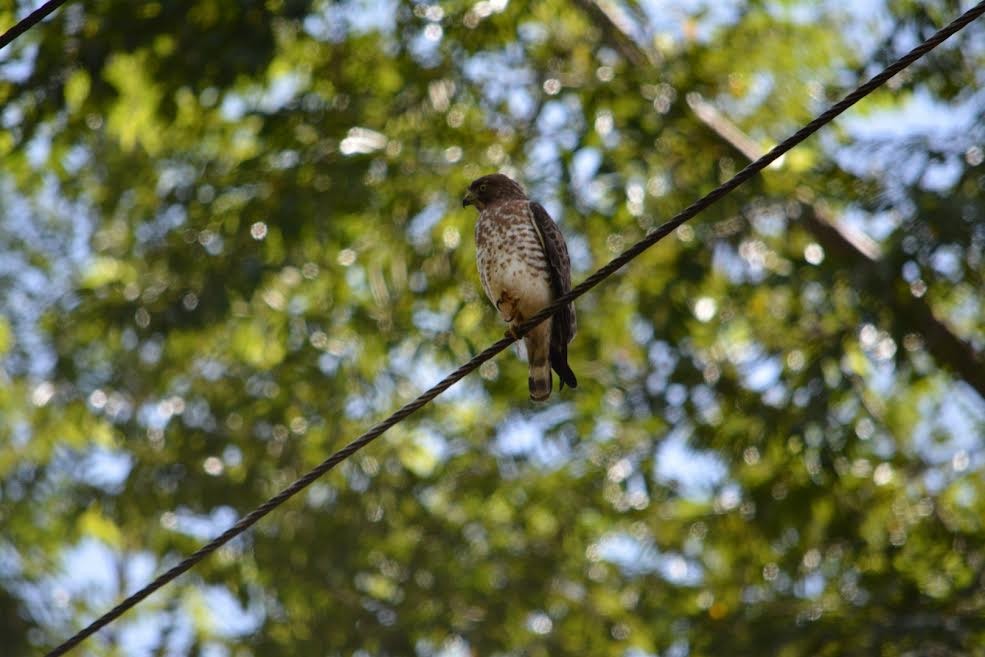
x: 559, y: 264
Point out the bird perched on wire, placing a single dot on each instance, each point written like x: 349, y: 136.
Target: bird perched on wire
x: 523, y: 264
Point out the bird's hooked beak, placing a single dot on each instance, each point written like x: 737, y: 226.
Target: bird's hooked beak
x: 469, y: 199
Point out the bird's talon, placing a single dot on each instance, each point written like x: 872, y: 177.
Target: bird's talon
x: 511, y: 333
x: 499, y: 305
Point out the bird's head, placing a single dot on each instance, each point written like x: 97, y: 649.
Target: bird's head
x: 492, y: 189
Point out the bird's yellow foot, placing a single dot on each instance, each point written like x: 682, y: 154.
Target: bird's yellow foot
x: 499, y: 306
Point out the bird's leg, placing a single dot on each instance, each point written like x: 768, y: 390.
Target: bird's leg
x: 506, y: 308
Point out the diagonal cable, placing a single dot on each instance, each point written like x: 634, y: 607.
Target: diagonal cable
x: 614, y: 265
x: 29, y: 21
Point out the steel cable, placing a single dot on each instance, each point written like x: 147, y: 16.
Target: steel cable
x: 29, y: 21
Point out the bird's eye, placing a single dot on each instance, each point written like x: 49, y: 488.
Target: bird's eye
x: 482, y: 187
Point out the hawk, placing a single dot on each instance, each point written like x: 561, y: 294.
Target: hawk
x: 523, y: 264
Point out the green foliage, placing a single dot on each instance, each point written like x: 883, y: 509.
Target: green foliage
x: 233, y: 240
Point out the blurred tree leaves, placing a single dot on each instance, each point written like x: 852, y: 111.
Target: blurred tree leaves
x: 232, y: 240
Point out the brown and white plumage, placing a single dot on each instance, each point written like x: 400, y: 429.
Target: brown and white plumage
x: 523, y: 264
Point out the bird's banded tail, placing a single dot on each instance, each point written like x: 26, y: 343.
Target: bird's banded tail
x: 540, y: 382
x: 539, y: 358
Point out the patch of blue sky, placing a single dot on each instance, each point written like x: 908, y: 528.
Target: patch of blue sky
x: 864, y: 23
x: 421, y: 225
x: 633, y: 556
x: 505, y: 69
x: 18, y: 433
x: 172, y: 174
x: 777, y: 396
x: 157, y: 228
x: 942, y: 176
x: 39, y: 147
x: 504, y: 78
x: 892, y: 144
x: 726, y: 260
x: 662, y: 361
x: 680, y: 570
x: 402, y: 357
x: 281, y: 91
x: 431, y: 439
x: 877, y: 225
x: 431, y: 321
x: 16, y: 64
x: 89, y: 570
x: 762, y: 373
x: 146, y: 633
x: 421, y: 367
x: 882, y: 375
x: 11, y: 563
x: 105, y: 468
x: 642, y: 330
x: 532, y: 32
x: 516, y: 436
x: 584, y: 165
x: 521, y: 104
x: 946, y: 260
x: 562, y: 121
x: 811, y: 586
x: 525, y: 434
x: 759, y: 87
x: 332, y: 21
x: 704, y: 19
x: 141, y: 635
x: 950, y: 424
x: 455, y: 647
x: 557, y: 126
x: 233, y: 107
x: 799, y: 13
x: 277, y: 94
x: 695, y: 473
x: 921, y: 115
x: 543, y: 169
x: 76, y: 158
x: 682, y: 19
x: 409, y: 363
x: 229, y: 618
x: 57, y: 233
x: 153, y: 415
x: 769, y: 220
x: 204, y: 526
x: 358, y: 406
x: 11, y: 117
x: 139, y: 568
x: 706, y: 401
x: 425, y: 371
x: 967, y: 314
x: 324, y: 26
x: 31, y: 281
x: 328, y: 363
x: 426, y: 46
x: 636, y: 557
x: 580, y: 253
